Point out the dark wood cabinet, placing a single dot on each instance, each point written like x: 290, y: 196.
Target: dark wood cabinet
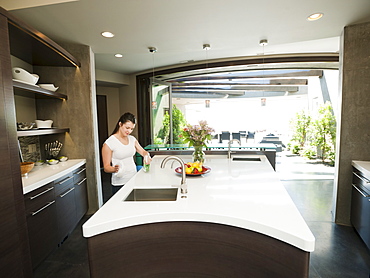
x: 53, y: 211
x: 80, y: 184
x: 360, y: 205
x: 66, y: 206
x: 41, y: 222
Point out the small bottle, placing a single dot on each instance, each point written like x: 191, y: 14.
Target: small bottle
x: 146, y: 163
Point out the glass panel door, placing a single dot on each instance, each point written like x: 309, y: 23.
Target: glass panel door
x: 161, y: 112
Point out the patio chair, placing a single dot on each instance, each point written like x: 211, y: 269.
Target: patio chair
x: 236, y: 135
x: 225, y: 135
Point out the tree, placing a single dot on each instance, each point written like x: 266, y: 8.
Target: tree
x: 178, y: 123
x: 300, y: 125
x: 324, y: 131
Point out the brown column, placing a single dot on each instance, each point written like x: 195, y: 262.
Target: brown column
x: 354, y: 117
x: 14, y: 248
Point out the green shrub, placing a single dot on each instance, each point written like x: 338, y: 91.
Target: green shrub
x: 309, y: 153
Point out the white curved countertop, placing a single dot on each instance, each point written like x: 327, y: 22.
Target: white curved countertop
x: 245, y: 194
x: 41, y: 175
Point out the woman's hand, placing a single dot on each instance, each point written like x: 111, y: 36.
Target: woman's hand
x: 116, y: 168
x: 147, y: 158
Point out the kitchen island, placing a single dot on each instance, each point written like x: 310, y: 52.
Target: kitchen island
x: 236, y: 221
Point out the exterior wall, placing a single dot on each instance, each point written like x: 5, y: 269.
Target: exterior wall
x: 353, y: 121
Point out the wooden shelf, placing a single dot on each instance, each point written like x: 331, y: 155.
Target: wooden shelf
x: 24, y: 89
x: 30, y: 45
x: 41, y: 131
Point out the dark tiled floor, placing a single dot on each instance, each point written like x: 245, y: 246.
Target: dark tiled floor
x: 339, y: 252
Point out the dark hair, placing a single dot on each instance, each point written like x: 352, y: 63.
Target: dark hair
x: 127, y: 117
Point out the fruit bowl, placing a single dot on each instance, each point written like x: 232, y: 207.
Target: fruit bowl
x: 26, y: 167
x: 39, y: 162
x: 52, y: 161
x: 205, y: 170
x: 62, y: 158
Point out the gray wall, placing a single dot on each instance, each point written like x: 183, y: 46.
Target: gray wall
x: 354, y: 119
x: 78, y: 113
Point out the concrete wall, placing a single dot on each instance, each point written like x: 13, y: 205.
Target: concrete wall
x: 78, y: 113
x: 354, y: 121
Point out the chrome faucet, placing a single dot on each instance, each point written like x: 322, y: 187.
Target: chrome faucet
x: 184, y: 187
x: 229, y: 144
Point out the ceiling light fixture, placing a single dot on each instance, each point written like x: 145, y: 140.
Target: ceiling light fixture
x: 207, y: 47
x: 107, y: 34
x: 315, y: 16
x: 263, y: 43
x: 152, y: 50
x: 118, y: 55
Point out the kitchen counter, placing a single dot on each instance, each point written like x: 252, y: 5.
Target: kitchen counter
x: 243, y: 194
x: 41, y: 175
x: 363, y: 166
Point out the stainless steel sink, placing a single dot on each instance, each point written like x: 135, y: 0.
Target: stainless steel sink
x: 246, y: 159
x: 152, y: 194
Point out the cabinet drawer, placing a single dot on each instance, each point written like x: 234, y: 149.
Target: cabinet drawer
x: 79, y: 174
x: 64, y: 183
x: 360, y: 180
x: 39, y: 197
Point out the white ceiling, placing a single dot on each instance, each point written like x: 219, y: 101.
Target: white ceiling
x: 179, y: 28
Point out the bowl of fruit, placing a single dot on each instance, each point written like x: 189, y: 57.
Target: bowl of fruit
x: 52, y: 161
x: 194, y: 169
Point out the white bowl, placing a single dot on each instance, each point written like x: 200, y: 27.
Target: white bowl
x: 24, y: 76
x: 52, y: 161
x: 49, y: 87
x: 63, y: 158
x: 44, y: 124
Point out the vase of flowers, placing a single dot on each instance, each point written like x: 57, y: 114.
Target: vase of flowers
x: 197, y: 136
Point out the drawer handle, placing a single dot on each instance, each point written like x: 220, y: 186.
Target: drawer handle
x: 84, y: 169
x: 81, y: 181
x: 63, y: 181
x: 362, y: 192
x: 43, y: 192
x: 44, y: 207
x: 361, y: 178
x: 61, y: 196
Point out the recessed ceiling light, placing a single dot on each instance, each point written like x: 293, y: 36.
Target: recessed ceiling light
x: 118, y: 55
x: 107, y: 34
x: 315, y: 16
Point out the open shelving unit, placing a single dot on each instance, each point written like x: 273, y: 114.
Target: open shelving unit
x: 28, y: 90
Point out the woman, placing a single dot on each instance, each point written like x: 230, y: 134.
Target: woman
x: 118, y: 152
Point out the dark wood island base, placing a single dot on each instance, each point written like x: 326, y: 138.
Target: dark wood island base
x: 193, y: 249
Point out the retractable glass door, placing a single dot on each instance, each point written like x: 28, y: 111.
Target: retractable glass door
x: 161, y: 112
